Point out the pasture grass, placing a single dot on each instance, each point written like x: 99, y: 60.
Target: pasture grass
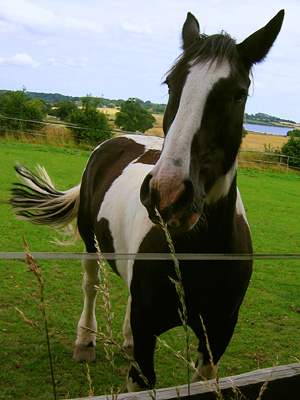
x: 267, y: 332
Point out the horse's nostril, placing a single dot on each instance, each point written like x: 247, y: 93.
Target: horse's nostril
x: 187, y: 195
x: 147, y: 194
x: 174, y: 222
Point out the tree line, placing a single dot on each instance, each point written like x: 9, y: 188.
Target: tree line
x: 20, y: 112
x: 54, y: 98
x: 265, y: 119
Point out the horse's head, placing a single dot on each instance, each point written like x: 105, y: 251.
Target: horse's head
x: 208, y: 88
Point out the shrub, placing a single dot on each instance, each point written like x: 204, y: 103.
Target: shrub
x: 94, y: 124
x: 17, y: 106
x: 133, y: 117
x: 294, y: 132
x: 292, y: 148
x: 64, y: 109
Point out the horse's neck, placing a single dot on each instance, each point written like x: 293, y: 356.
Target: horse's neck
x: 220, y: 216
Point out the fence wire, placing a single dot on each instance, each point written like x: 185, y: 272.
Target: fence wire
x: 148, y: 256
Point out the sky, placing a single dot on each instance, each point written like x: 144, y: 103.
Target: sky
x: 120, y: 49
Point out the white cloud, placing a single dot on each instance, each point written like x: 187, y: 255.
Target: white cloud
x: 19, y: 60
x: 125, y: 41
x: 52, y: 62
x: 70, y: 62
x: 33, y: 16
x: 77, y: 62
x: 43, y: 42
x: 9, y: 28
x: 135, y: 28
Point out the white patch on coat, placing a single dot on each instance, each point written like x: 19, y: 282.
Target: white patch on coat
x: 204, y: 371
x: 128, y: 218
x: 150, y: 142
x: 199, y: 82
x: 240, y: 206
x: 222, y: 186
x: 132, y: 386
x: 127, y: 332
x: 91, y: 279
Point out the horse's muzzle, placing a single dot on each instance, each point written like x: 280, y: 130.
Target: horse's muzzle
x: 174, y: 202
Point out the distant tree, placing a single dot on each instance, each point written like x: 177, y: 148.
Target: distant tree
x: 21, y: 111
x: 133, y: 117
x: 295, y: 133
x: 64, y: 109
x: 292, y: 148
x: 94, y: 123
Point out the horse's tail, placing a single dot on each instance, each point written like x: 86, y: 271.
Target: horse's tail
x: 36, y: 200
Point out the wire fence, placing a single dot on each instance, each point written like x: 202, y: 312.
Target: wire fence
x: 149, y: 256
x: 259, y: 157
x: 53, y: 123
x: 267, y: 158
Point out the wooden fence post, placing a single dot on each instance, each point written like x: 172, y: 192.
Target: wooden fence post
x: 283, y: 384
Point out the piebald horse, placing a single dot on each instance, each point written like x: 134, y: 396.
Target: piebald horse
x: 189, y: 177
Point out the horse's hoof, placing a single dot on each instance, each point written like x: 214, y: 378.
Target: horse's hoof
x: 84, y: 353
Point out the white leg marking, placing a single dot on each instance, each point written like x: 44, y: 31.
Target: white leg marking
x: 204, y: 371
x: 127, y: 332
x: 133, y: 386
x: 86, y: 340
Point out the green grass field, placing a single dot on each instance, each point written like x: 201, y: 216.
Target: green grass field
x: 267, y: 332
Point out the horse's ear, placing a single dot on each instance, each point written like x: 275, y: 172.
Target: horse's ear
x: 190, y: 30
x: 255, y: 48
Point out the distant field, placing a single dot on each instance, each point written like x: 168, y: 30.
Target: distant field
x: 258, y: 141
x: 110, y: 112
x: 252, y: 141
x: 268, y: 328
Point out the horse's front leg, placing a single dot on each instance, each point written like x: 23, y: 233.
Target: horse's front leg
x: 127, y: 332
x: 87, y: 325
x: 218, y: 335
x: 141, y: 375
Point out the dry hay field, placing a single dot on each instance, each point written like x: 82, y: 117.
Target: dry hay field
x: 260, y: 141
x: 253, y: 140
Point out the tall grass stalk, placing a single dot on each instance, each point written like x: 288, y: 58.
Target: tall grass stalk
x: 181, y: 294
x: 193, y: 367
x: 26, y: 320
x: 238, y: 395
x: 38, y: 274
x: 106, y: 305
x: 108, y: 339
x: 91, y: 389
x: 184, y: 318
x: 264, y: 386
x: 212, y: 364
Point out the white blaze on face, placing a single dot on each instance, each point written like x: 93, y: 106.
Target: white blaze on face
x: 173, y: 165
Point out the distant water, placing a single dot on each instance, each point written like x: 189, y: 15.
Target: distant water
x: 273, y: 130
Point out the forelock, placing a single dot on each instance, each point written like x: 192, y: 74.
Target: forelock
x: 219, y: 47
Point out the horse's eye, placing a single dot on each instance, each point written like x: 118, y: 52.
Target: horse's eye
x: 240, y: 95
x: 169, y: 86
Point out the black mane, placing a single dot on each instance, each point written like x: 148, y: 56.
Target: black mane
x: 218, y: 47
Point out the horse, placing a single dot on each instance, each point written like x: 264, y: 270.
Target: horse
x: 189, y: 179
